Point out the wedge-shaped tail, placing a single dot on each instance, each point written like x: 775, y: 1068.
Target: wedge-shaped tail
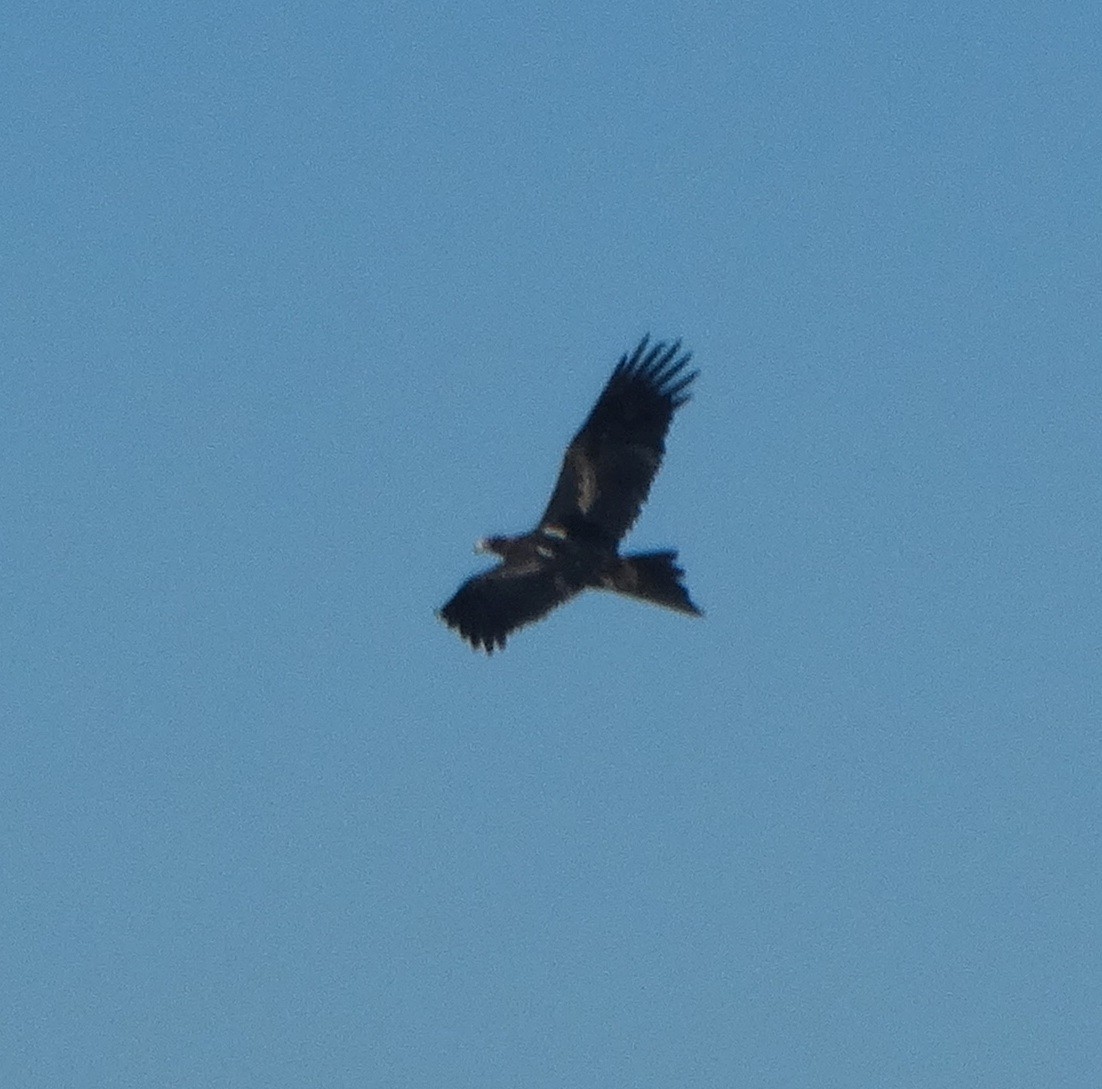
x: 653, y: 577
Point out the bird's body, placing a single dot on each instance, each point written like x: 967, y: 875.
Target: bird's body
x: 605, y: 479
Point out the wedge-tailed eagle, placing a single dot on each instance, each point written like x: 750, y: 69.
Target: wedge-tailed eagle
x: 604, y: 481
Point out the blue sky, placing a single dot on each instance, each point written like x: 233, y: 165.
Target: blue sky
x: 300, y: 302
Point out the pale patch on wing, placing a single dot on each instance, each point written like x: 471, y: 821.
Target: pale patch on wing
x: 587, y: 480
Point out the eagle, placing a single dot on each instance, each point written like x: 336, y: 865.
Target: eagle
x: 604, y: 481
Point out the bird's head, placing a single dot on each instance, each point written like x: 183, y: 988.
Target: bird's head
x: 496, y: 545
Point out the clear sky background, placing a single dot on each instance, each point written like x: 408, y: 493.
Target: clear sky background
x: 299, y: 301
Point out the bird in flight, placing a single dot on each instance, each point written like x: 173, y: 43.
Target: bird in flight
x: 604, y: 481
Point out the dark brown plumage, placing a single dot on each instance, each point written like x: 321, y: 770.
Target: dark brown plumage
x: 605, y: 478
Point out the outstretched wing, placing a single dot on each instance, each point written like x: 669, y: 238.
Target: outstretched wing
x: 609, y: 465
x: 489, y: 607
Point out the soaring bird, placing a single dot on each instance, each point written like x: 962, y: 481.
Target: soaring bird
x: 605, y: 478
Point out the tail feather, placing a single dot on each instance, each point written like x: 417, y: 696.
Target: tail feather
x: 653, y: 577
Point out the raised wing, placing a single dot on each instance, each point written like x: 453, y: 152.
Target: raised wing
x: 610, y: 464
x: 489, y: 607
